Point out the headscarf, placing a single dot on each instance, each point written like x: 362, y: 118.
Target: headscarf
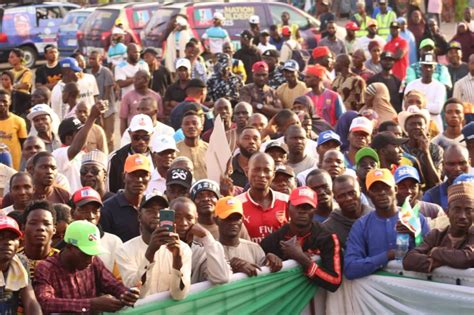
x: 342, y: 127
x: 378, y: 96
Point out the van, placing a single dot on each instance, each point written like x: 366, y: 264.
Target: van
x: 237, y: 14
x: 67, y: 34
x: 30, y: 27
x: 96, y: 31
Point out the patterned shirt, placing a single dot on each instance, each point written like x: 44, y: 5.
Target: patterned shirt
x: 229, y: 88
x: 254, y: 95
x: 276, y: 78
x: 32, y: 263
x: 59, y: 290
x: 351, y: 89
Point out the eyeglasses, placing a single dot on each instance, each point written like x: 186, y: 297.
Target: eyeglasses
x: 92, y: 170
x: 143, y: 137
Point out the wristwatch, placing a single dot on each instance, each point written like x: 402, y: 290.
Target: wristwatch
x: 259, y: 106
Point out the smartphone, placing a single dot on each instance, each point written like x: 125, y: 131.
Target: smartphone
x: 167, y: 219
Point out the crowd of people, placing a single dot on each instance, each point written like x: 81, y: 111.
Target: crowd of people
x: 326, y: 149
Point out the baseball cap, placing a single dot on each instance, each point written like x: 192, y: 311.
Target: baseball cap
x: 218, y: 16
x: 428, y: 59
x: 379, y: 175
x: 291, y: 65
x: 303, y: 195
x: 383, y: 138
x: 95, y: 156
x: 372, y: 22
x: 196, y: 83
x: 39, y: 109
x: 276, y: 144
x: 254, y: 19
x: 328, y: 135
x: 405, y: 171
x: 8, y: 223
x: 86, y: 195
x: 271, y: 53
x: 321, y: 51
x: 468, y: 131
x: 85, y: 236
x: 455, y: 45
x: 394, y: 24
x: 352, y: 26
x: 150, y: 50
x: 366, y: 152
x: 163, y: 143
x: 246, y: 34
x: 382, y: 1
x: 179, y: 176
x: 117, y: 31
x: 464, y: 178
x: 181, y: 21
x: 70, y: 63
x: 387, y: 54
x: 141, y: 122
x: 68, y: 126
x: 427, y: 42
x: 137, y: 162
x: 401, y: 20
x: 227, y: 206
x: 265, y: 33
x: 155, y: 195
x: 286, y: 30
x: 315, y: 70
x: 361, y: 124
x: 204, y: 185
x: 411, y: 111
x: 285, y: 169
x: 260, y: 66
x: 183, y: 62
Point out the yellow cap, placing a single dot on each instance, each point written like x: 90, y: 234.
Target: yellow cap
x: 227, y: 206
x: 379, y: 175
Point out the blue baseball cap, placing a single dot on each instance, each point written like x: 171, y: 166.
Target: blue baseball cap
x: 464, y: 178
x: 405, y: 171
x: 328, y: 135
x: 468, y: 131
x: 70, y: 63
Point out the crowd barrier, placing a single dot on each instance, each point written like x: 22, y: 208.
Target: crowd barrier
x: 392, y: 291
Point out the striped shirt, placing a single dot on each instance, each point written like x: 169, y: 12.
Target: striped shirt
x: 464, y: 89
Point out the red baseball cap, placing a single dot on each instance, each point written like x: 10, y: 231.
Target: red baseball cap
x: 352, y: 26
x: 321, y: 52
x: 286, y: 31
x: 7, y: 223
x: 260, y: 66
x: 86, y: 195
x: 303, y: 195
x: 316, y: 70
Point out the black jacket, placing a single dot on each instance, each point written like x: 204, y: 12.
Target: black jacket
x: 318, y: 242
x: 116, y: 164
x: 249, y: 56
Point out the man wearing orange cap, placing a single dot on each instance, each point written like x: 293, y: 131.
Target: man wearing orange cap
x: 119, y: 213
x: 262, y: 97
x: 327, y: 103
x: 302, y: 238
x: 373, y: 238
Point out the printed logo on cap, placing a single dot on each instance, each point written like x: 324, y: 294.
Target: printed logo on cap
x: 138, y: 160
x: 405, y: 171
x: 178, y: 174
x: 378, y: 173
x: 92, y: 237
x: 230, y: 202
x: 142, y: 122
x: 306, y: 193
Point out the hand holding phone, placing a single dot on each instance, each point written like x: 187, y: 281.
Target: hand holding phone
x: 167, y: 219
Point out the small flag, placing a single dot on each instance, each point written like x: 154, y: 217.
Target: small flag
x: 410, y: 218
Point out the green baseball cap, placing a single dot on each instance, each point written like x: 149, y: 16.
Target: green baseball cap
x: 366, y: 151
x: 85, y: 236
x: 427, y: 42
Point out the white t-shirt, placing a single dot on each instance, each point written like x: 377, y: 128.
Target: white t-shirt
x: 435, y: 93
x: 87, y: 90
x: 69, y: 168
x: 363, y: 43
x: 125, y: 70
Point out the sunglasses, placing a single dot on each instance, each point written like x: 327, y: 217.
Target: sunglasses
x: 143, y: 137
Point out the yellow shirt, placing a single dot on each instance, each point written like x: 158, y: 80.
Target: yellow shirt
x: 287, y: 96
x: 12, y: 130
x: 24, y: 75
x: 197, y: 155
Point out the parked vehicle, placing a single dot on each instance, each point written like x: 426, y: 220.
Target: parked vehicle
x: 96, y: 31
x: 236, y: 13
x: 67, y: 34
x: 31, y: 28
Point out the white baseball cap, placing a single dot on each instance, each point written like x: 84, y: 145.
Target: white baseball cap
x: 39, y: 109
x: 361, y: 124
x: 141, y: 122
x: 254, y: 19
x: 183, y: 62
x: 117, y: 31
x: 218, y: 16
x: 163, y: 143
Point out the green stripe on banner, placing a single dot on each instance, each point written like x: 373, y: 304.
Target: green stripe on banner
x: 287, y: 291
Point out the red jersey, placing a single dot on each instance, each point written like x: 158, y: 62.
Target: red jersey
x: 262, y: 222
x: 400, y: 66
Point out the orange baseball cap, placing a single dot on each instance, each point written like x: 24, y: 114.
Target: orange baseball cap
x: 379, y: 175
x: 227, y: 206
x: 316, y: 70
x: 137, y: 162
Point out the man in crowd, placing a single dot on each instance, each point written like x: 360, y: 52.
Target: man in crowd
x: 456, y: 67
x: 50, y: 73
x: 160, y: 75
x: 384, y: 18
x: 298, y: 159
x: 119, y: 213
x: 335, y: 44
x: 285, y: 179
x: 360, y: 132
x: 388, y: 148
x: 453, y: 110
x: 156, y: 259
x: 372, y: 239
x: 163, y: 152
x: 264, y: 208
x: 80, y: 283
x: 40, y: 116
x: 320, y: 182
x: 350, y: 86
x: 399, y: 48
x: 451, y: 246
x: 293, y: 88
x: 363, y: 42
x: 44, y: 173
x: 366, y: 160
x: 248, y: 53
x: 21, y: 192
x: 249, y: 142
x: 302, y: 237
x: 125, y: 71
x: 216, y: 36
x: 347, y: 194
x: 94, y: 173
